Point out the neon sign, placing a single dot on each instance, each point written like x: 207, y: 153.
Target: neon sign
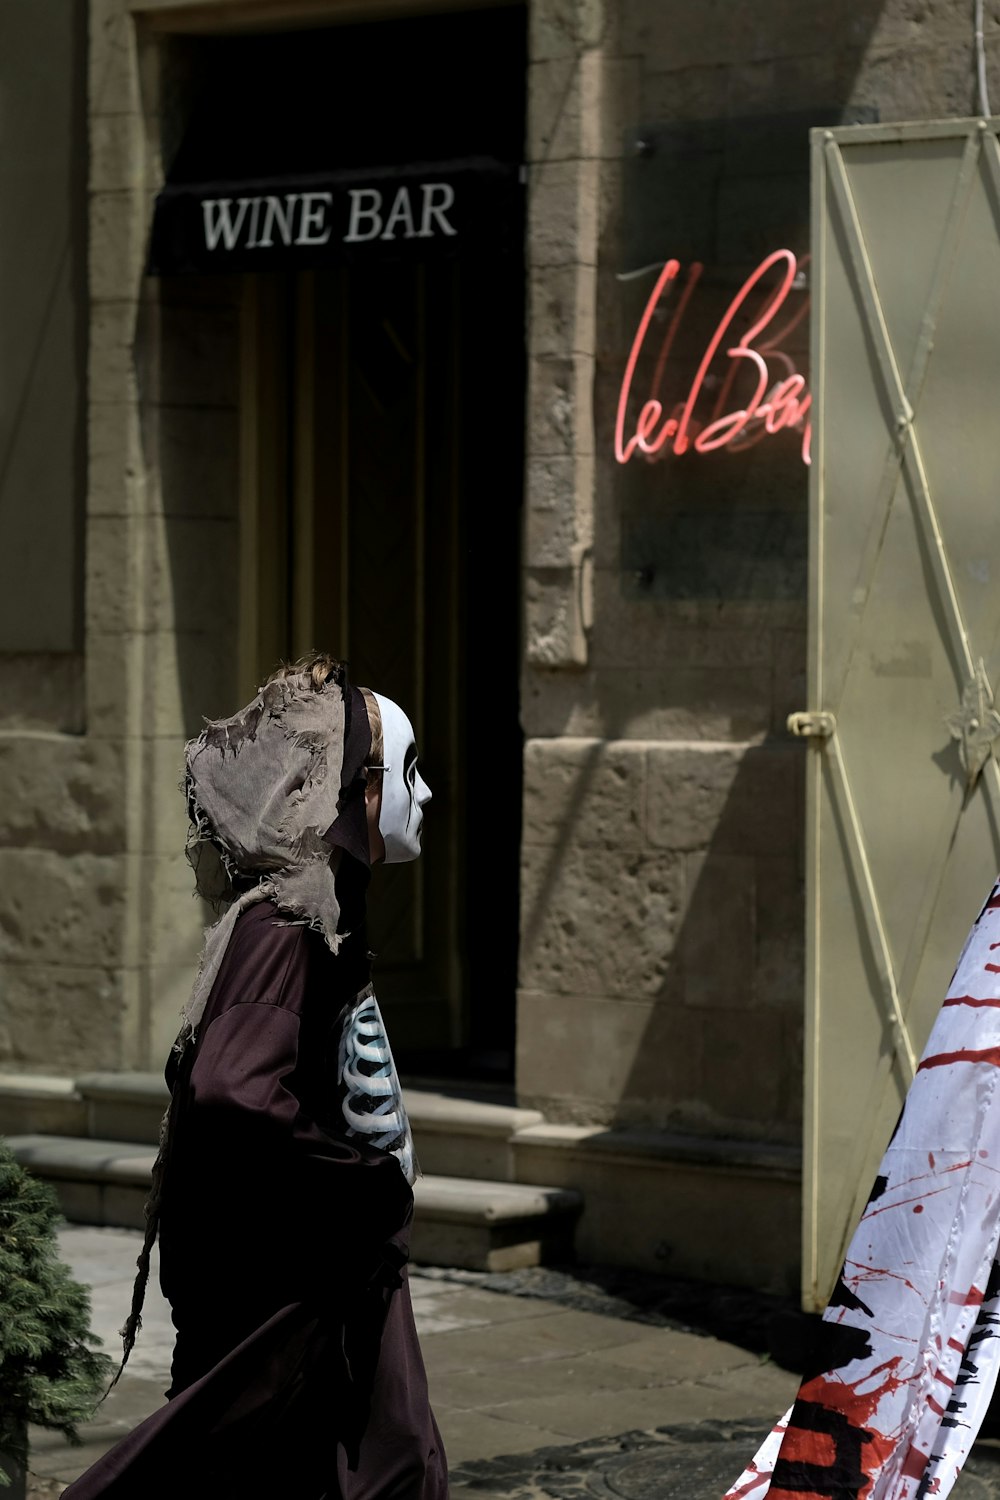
x: 778, y: 401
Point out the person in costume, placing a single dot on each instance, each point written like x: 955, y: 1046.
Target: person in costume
x: 282, y: 1193
x: 907, y: 1355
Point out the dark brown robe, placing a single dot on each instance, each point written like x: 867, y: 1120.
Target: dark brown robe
x: 283, y: 1245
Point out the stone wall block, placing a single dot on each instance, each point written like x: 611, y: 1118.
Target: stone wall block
x: 118, y: 225
x: 599, y: 921
x: 716, y: 31
x: 700, y: 92
x: 790, y: 691
x: 554, y: 110
x: 195, y: 681
x: 792, y: 1102
x: 912, y: 23
x: 177, y: 917
x: 607, y: 1061
x: 551, y: 536
x: 561, y: 310
x: 779, y: 971
x: 158, y: 684
x: 63, y: 794
x: 929, y: 82
x: 633, y: 627
x: 585, y: 792
x: 119, y: 155
x: 562, y: 213
x: 168, y: 991
x: 116, y: 600
x: 555, y: 703
x: 791, y: 31
x: 566, y: 28
x: 61, y: 1020
x: 115, y: 75
x: 42, y: 693
x: 61, y: 911
x: 161, y: 824
x: 747, y: 800
x: 148, y: 573
x: 653, y: 702
x: 560, y: 391
x: 687, y: 792
x: 578, y: 106
x: 798, y: 81
x: 557, y: 521
x: 119, y: 366
x: 115, y: 664
x: 717, y: 939
x: 553, y: 608
x: 119, y: 481
x: 744, y: 1054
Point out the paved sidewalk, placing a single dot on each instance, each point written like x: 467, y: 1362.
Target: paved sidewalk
x: 544, y: 1384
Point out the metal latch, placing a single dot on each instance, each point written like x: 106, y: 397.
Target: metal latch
x: 811, y: 726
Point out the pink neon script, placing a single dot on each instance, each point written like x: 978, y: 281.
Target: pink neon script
x: 774, y: 404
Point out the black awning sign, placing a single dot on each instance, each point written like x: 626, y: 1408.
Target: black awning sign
x: 259, y: 226
x: 413, y: 211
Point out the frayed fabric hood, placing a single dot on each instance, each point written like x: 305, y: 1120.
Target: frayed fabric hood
x: 267, y: 789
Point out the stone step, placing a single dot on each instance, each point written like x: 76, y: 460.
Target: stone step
x: 457, y: 1134
x: 459, y: 1221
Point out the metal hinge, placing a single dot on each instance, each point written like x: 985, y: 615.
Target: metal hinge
x: 811, y: 726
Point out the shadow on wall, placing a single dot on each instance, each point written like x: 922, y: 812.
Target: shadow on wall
x: 662, y: 935
x: 192, y: 549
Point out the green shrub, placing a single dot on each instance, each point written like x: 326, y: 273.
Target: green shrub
x: 48, y: 1373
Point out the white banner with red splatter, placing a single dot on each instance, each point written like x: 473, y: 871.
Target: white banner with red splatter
x: 907, y: 1356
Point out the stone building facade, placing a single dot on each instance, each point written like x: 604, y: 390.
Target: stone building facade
x: 663, y: 610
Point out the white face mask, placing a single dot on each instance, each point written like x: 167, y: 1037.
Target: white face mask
x: 404, y: 791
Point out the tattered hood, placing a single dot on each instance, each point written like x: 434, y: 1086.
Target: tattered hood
x: 278, y: 791
x: 267, y: 787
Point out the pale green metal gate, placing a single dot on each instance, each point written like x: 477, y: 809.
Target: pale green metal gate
x: 903, y: 809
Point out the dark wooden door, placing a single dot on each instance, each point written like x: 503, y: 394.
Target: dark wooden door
x: 392, y: 454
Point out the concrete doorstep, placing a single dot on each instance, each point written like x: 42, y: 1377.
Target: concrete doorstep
x: 459, y: 1221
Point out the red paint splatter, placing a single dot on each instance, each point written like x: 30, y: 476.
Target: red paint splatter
x: 930, y: 1158
x: 992, y: 968
x: 802, y: 1447
x: 915, y: 1463
x: 972, y: 1298
x: 918, y: 1208
x: 888, y: 1207
x: 751, y: 1484
x: 935, y: 1406
x: 972, y: 1000
x: 864, y: 1273
x: 989, y: 1055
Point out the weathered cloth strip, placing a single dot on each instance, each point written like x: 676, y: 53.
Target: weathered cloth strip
x: 908, y: 1356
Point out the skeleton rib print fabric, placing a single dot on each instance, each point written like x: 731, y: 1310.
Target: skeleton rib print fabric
x: 371, y: 1099
x: 908, y: 1352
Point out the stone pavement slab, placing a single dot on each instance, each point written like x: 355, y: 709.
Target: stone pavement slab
x: 544, y: 1384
